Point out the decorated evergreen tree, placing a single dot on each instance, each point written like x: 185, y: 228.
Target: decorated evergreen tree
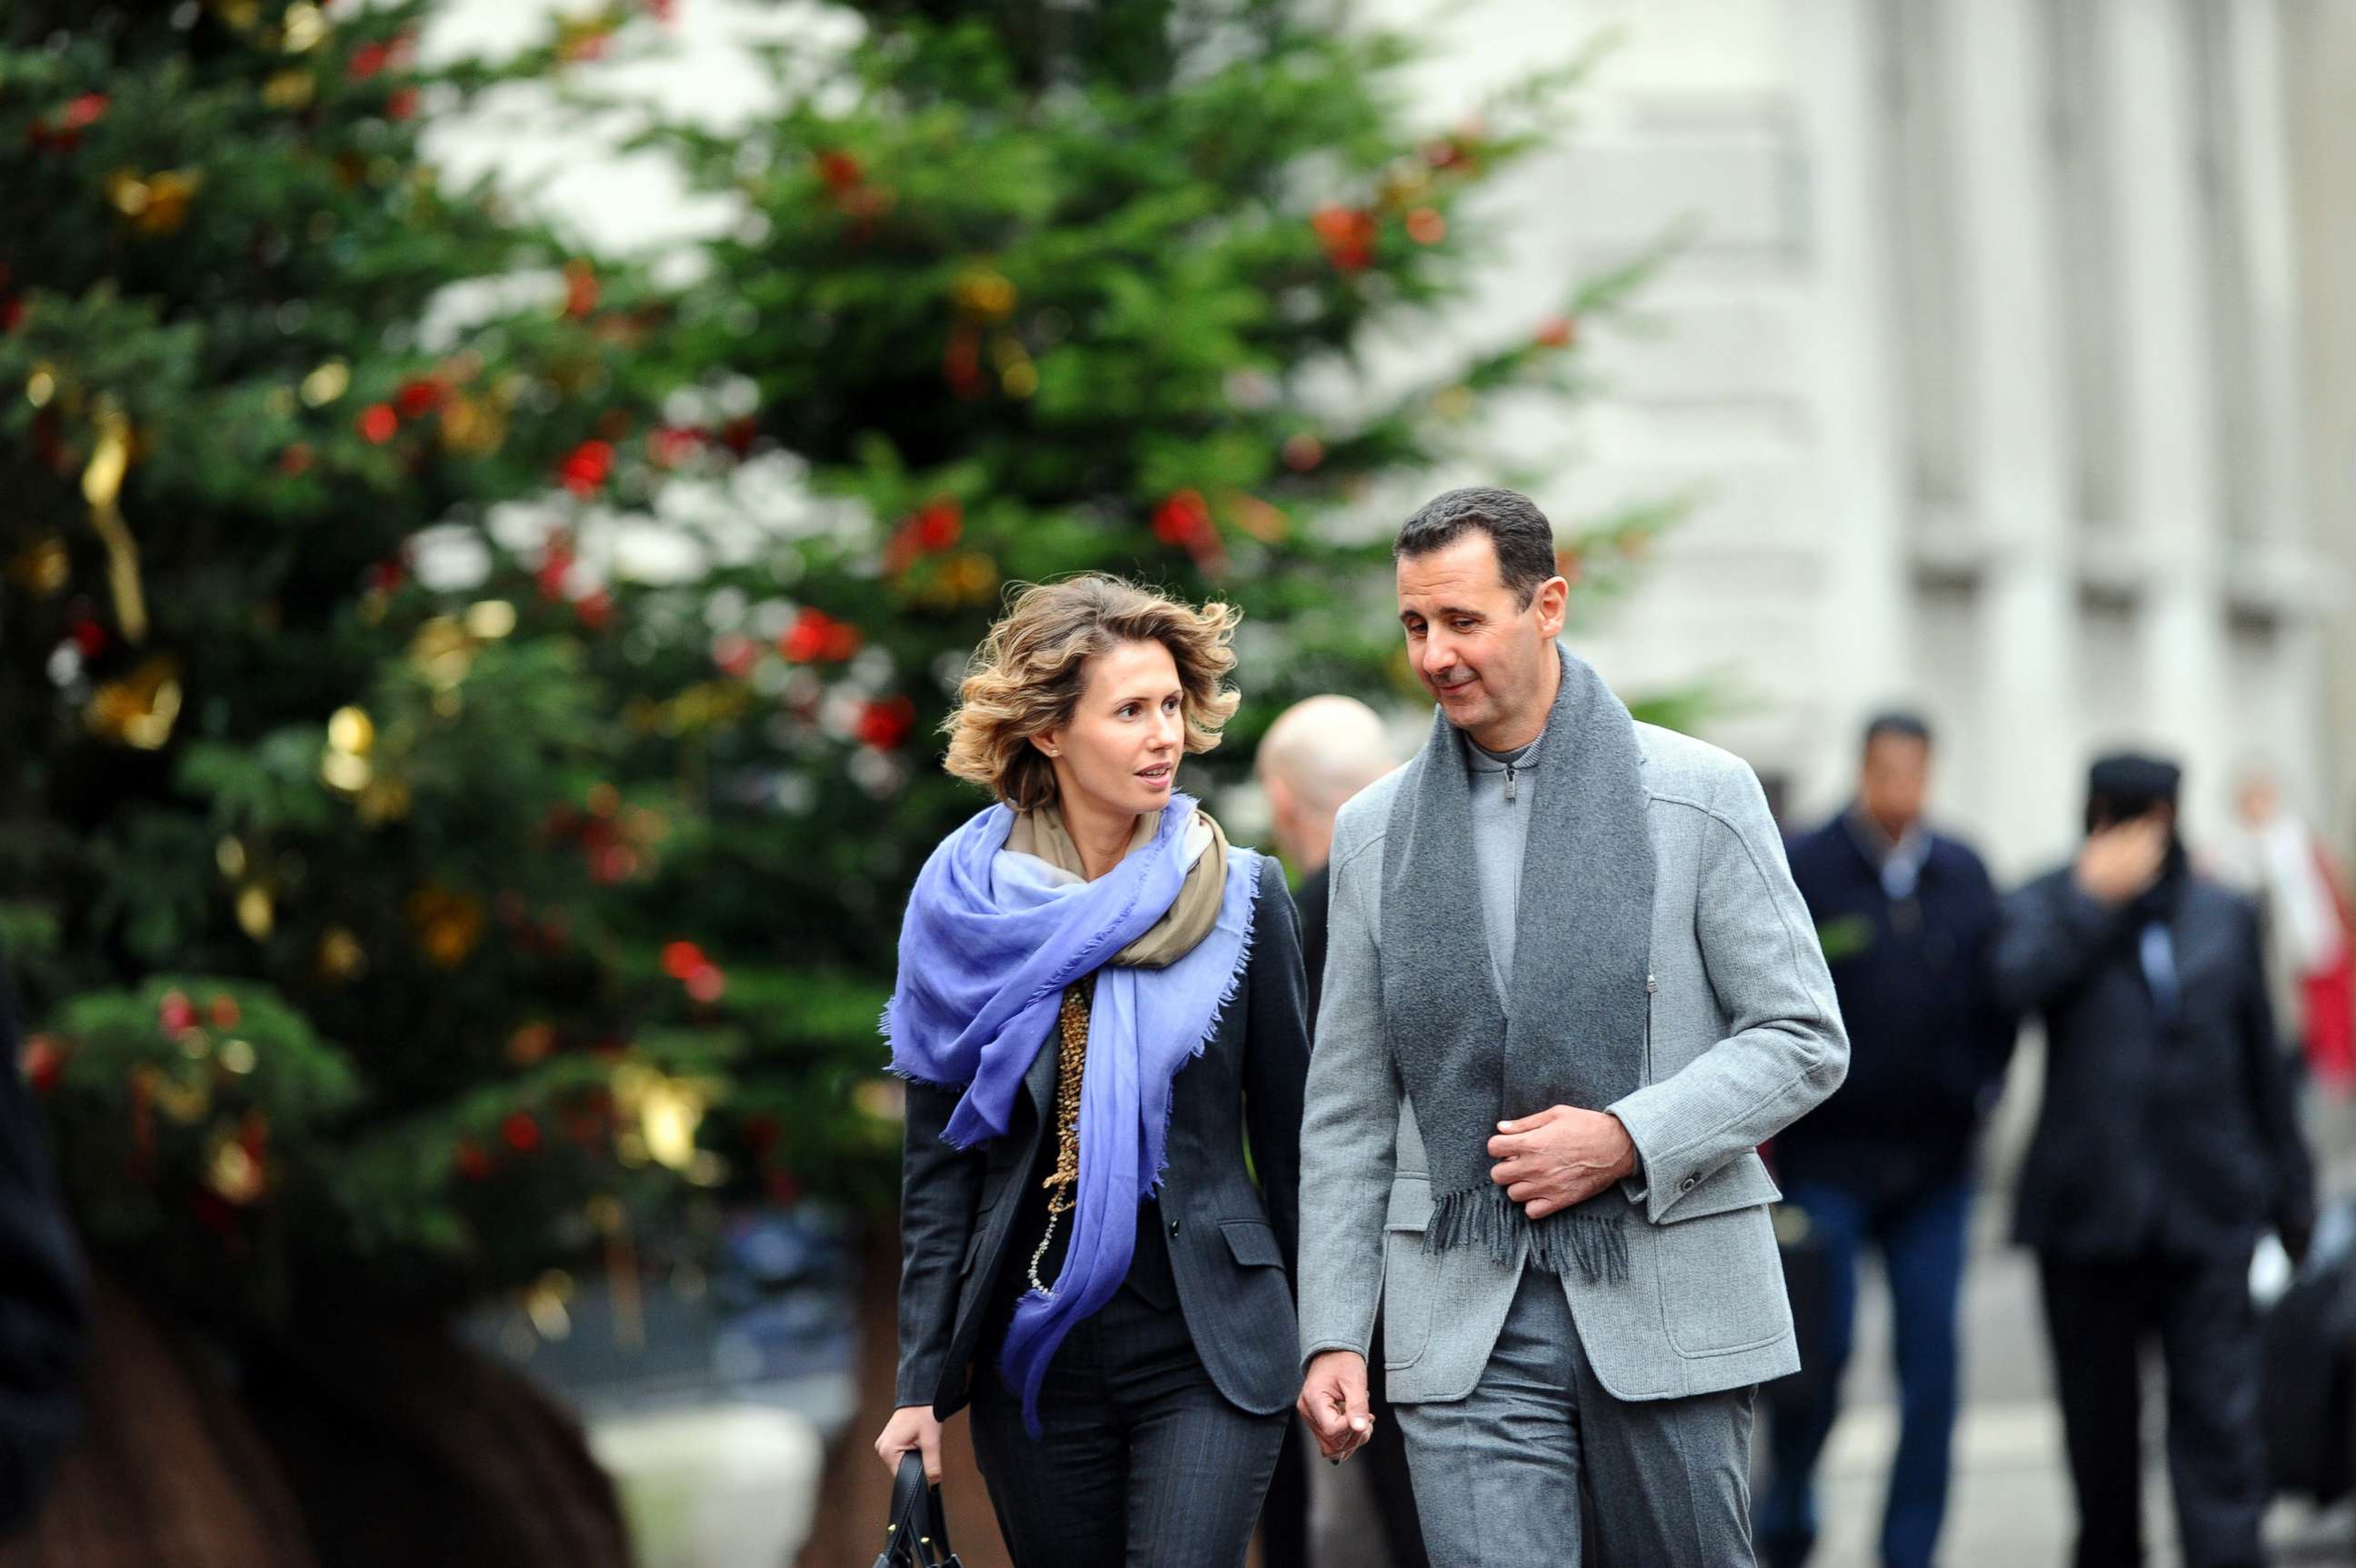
x: 307, y: 861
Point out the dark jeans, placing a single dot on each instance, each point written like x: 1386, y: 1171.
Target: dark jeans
x: 1143, y: 1463
x: 2101, y: 1315
x: 1922, y: 1240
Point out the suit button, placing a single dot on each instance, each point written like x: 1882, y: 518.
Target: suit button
x: 1174, y: 1228
x: 1688, y: 1184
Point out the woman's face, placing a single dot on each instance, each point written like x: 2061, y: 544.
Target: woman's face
x: 1120, y: 750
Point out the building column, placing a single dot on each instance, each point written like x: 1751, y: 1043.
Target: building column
x: 2019, y: 475
x: 1863, y: 653
x: 2171, y: 480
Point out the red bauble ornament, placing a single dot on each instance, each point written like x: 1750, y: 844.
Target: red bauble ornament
x: 1184, y: 519
x: 469, y: 1159
x: 595, y: 609
x: 1557, y: 332
x: 520, y: 1131
x: 840, y: 170
x: 938, y: 524
x: 885, y: 725
x: 815, y: 636
x: 378, y: 423
x: 585, y: 467
x: 90, y: 637
x: 87, y: 110
x: 42, y: 1063
x: 222, y: 1011
x: 1348, y: 235
x: 418, y: 397
x: 369, y: 58
x: 1425, y: 226
x: 176, y: 1013
x: 681, y: 959
x: 707, y: 983
x: 402, y: 104
x: 579, y: 289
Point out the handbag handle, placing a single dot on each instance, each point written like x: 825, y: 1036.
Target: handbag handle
x: 918, y: 1535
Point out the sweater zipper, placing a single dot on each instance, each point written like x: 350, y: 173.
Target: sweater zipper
x: 1509, y: 783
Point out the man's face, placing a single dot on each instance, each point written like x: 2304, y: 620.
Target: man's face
x: 1894, y: 781
x: 1485, y: 659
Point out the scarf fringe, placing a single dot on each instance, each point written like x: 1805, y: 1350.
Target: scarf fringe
x: 1485, y: 1217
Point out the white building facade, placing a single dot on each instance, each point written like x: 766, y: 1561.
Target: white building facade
x: 1988, y: 362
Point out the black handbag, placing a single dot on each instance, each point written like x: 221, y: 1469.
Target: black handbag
x: 918, y: 1533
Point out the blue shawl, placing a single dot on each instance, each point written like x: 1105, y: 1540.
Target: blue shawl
x: 989, y: 943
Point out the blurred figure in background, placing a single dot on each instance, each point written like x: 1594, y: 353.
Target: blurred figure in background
x: 2277, y: 859
x: 1906, y: 917
x: 1319, y: 752
x: 44, y: 1294
x: 2166, y: 1143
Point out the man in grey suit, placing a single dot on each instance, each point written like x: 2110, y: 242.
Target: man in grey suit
x: 1570, y: 989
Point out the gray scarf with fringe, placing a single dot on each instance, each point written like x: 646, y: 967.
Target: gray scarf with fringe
x: 1572, y: 1030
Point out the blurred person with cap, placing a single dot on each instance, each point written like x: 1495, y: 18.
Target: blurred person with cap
x: 2311, y: 941
x: 1906, y: 917
x: 2165, y: 1144
x: 1319, y: 752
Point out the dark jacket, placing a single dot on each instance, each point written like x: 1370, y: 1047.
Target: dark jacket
x: 1927, y: 1043
x: 44, y: 1295
x: 1315, y: 898
x: 2167, y: 1131
x: 1230, y: 1244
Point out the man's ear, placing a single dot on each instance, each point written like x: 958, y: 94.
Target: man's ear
x: 1552, y: 601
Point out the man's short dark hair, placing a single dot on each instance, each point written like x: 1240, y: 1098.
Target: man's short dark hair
x: 1896, y: 723
x: 1517, y: 531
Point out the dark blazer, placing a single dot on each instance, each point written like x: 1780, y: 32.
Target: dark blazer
x: 1231, y: 1243
x: 1315, y: 898
x: 2160, y: 1131
x: 1928, y: 1045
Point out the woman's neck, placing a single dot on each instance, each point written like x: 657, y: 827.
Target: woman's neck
x: 1101, y: 836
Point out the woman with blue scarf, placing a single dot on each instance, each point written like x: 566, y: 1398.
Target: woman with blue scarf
x: 1100, y: 1002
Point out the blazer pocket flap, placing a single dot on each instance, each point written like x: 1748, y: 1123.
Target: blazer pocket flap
x: 1252, y: 1242
x: 974, y: 1244
x: 1411, y: 1207
x: 1741, y: 1183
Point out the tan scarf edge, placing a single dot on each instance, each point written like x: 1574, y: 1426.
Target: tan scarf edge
x: 1191, y: 915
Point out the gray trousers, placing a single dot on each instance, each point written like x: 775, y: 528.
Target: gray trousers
x: 1498, y: 1473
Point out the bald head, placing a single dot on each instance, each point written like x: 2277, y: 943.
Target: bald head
x: 1318, y: 753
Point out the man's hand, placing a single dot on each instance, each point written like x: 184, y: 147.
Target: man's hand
x: 2117, y: 862
x: 1560, y: 1157
x: 1333, y: 1403
x: 911, y: 1427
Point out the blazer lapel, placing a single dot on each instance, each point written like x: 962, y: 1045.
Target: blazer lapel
x: 1041, y: 1077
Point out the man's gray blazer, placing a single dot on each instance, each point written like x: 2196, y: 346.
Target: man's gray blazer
x: 1744, y: 1038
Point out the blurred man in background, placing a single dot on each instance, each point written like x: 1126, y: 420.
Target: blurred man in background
x: 1319, y: 752
x: 2165, y: 1144
x: 2278, y: 860
x: 1906, y: 917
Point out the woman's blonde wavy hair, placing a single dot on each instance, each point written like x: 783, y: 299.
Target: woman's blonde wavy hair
x: 1028, y: 675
